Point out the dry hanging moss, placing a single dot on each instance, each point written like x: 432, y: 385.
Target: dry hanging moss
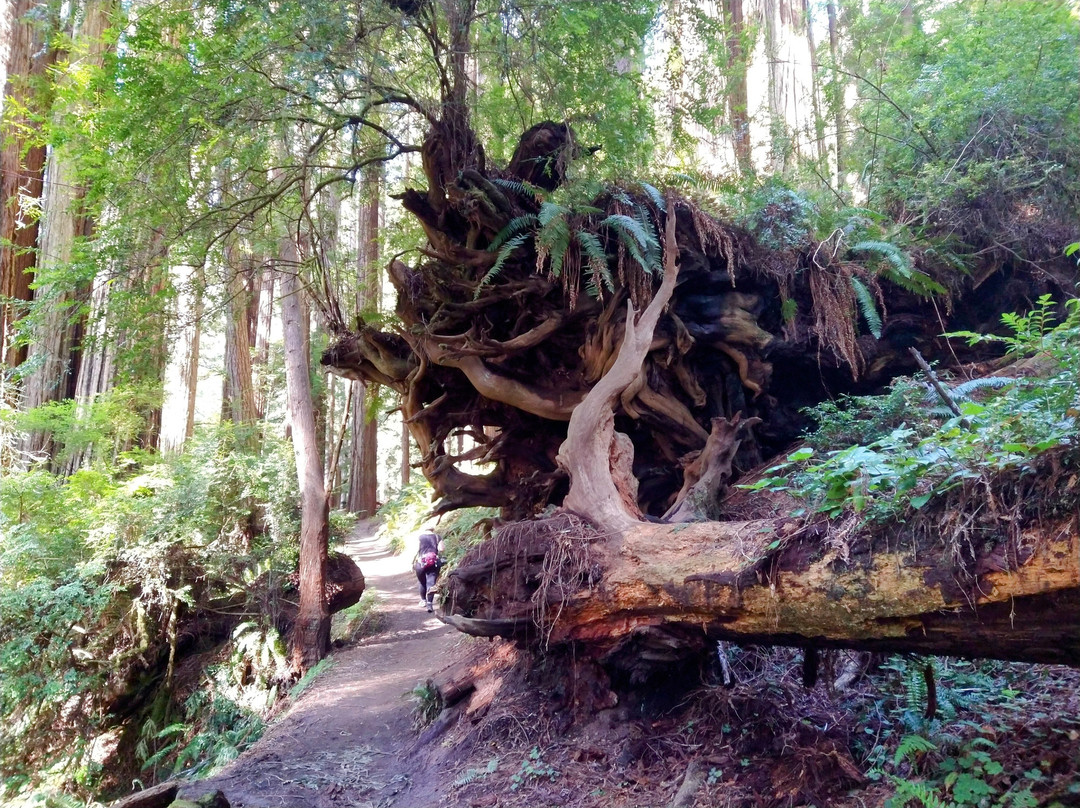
x: 527, y: 570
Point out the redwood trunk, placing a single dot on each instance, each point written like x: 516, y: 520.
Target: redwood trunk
x: 21, y: 170
x: 364, y: 455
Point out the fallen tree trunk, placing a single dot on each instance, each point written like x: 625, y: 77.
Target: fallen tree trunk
x: 519, y: 330
x: 669, y: 591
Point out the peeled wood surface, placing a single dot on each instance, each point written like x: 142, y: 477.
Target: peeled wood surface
x: 670, y: 588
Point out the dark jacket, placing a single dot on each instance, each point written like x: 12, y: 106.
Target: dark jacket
x: 429, y: 543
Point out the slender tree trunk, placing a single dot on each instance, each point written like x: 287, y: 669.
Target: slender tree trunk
x: 97, y: 362
x: 815, y: 86
x: 262, y: 338
x: 837, y: 100
x: 177, y: 431
x: 22, y: 166
x: 363, y: 479
x: 311, y: 633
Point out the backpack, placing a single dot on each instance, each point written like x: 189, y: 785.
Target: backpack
x: 429, y: 561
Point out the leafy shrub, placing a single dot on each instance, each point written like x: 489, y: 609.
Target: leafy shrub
x: 96, y: 573
x: 909, y: 465
x: 404, y: 513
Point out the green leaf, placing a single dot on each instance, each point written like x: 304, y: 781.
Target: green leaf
x: 921, y: 500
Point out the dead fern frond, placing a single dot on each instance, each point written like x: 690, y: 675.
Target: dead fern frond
x: 835, y: 312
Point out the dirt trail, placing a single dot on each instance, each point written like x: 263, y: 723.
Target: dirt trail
x: 348, y: 738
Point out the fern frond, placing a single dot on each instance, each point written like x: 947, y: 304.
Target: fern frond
x: 902, y: 273
x: 550, y: 211
x: 867, y: 306
x: 656, y: 197
x: 552, y: 242
x: 653, y: 253
x: 962, y: 391
x: 923, y: 793
x: 513, y: 227
x: 965, y: 389
x: 911, y: 745
x: 623, y: 223
x: 500, y: 260
x: 521, y: 188
x: 599, y: 274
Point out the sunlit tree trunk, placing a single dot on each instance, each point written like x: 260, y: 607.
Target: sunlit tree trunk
x: 238, y: 400
x: 311, y: 634
x: 52, y: 350
x: 363, y: 478
x: 836, y: 101
x: 22, y: 164
x: 737, y: 94
x: 263, y: 326
x: 821, y: 153
x: 190, y: 308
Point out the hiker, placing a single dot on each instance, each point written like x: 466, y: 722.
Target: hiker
x: 426, y: 565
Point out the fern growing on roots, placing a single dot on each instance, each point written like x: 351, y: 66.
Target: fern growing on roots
x: 899, y: 270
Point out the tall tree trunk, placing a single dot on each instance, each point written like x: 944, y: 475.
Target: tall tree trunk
x: 54, y: 343
x: 190, y: 303
x: 363, y: 479
x: 311, y: 633
x: 738, y: 96
x: 837, y: 96
x: 22, y: 165
x: 97, y: 362
x: 820, y: 151
x: 238, y: 401
x: 406, y: 446
x: 263, y: 327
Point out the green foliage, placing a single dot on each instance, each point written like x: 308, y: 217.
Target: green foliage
x: 472, y: 775
x: 952, y: 137
x: 867, y: 306
x: 533, y: 767
x: 360, y: 620
x: 309, y: 677
x: 908, y: 465
x: 426, y: 702
x: 108, y: 424
x: 567, y: 236
x: 969, y: 778
x: 404, y: 514
x: 576, y: 61
x: 465, y: 528
x: 898, y: 269
x: 781, y: 217
x: 92, y: 570
x: 852, y: 420
x: 1031, y: 333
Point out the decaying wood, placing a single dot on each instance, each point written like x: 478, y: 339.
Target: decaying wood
x: 575, y: 400
x: 586, y: 453
x: 159, y: 796
x: 702, y: 582
x: 707, y: 473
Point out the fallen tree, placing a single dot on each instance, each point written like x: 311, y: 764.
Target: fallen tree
x: 521, y: 330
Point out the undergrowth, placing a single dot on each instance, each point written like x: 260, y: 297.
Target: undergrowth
x: 100, y: 573
x: 912, y: 456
